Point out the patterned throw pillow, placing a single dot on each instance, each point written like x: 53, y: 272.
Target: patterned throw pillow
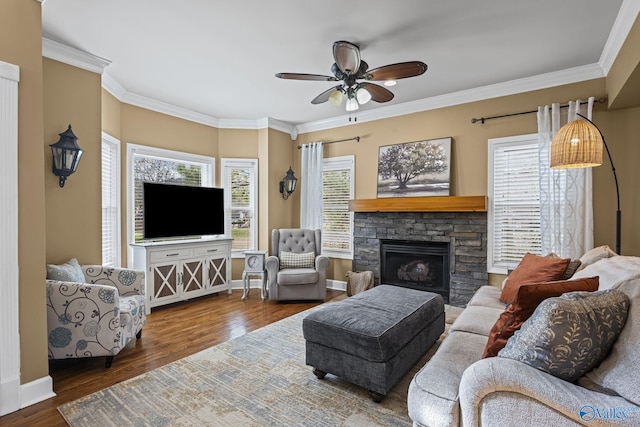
x: 68, y: 272
x: 573, y: 266
x: 527, y: 299
x: 297, y: 260
x: 569, y: 335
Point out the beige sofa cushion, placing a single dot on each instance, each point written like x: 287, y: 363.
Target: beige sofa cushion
x: 476, y: 320
x: 594, y: 255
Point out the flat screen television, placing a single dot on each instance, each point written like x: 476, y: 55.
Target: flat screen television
x: 173, y: 211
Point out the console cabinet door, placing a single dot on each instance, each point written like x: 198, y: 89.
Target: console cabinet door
x: 217, y: 269
x: 193, y: 277
x: 166, y: 281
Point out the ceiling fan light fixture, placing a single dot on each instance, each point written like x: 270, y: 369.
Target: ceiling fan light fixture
x: 336, y: 98
x: 363, y: 96
x: 352, y: 104
x: 389, y: 83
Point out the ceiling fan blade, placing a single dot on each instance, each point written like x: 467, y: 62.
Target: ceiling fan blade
x: 324, y: 96
x: 301, y: 76
x: 347, y: 56
x: 397, y: 71
x: 378, y: 93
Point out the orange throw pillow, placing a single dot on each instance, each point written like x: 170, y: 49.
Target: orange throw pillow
x: 529, y: 296
x: 533, y: 269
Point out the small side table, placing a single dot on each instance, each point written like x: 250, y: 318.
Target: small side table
x: 254, y: 266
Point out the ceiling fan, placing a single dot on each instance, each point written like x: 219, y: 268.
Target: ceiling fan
x: 351, y: 70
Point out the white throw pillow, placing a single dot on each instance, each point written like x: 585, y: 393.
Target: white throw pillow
x: 68, y: 272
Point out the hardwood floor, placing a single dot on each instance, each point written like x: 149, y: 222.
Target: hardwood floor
x: 171, y: 333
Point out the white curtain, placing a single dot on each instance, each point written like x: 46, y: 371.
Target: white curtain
x: 566, y: 205
x: 311, y: 186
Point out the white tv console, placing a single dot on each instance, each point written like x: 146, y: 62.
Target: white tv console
x: 183, y: 269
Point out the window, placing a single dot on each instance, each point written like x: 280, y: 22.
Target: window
x: 337, y: 221
x: 164, y: 166
x: 514, y: 201
x: 110, y: 201
x: 240, y: 183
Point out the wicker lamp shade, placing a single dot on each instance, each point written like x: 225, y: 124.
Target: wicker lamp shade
x: 578, y: 144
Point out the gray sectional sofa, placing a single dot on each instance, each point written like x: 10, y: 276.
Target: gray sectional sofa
x: 458, y: 387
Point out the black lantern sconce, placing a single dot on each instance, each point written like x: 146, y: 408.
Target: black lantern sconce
x: 66, y: 155
x: 288, y: 184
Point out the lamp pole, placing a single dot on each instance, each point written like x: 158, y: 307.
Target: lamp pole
x: 615, y: 178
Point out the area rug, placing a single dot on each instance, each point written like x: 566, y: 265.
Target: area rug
x: 258, y: 379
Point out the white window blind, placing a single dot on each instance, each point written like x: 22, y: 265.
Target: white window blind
x: 514, y: 201
x: 240, y: 183
x: 110, y: 201
x: 337, y: 221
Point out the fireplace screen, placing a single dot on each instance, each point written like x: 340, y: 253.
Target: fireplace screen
x: 415, y: 264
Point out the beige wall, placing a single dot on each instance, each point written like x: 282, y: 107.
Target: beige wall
x: 623, y: 80
x: 21, y: 44
x: 73, y: 96
x: 111, y: 113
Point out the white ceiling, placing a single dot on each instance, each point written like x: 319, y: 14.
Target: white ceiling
x: 218, y: 58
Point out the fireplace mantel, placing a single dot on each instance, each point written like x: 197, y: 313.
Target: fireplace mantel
x: 421, y: 204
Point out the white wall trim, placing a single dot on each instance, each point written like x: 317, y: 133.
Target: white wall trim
x: 78, y: 58
x: 9, y: 267
x: 36, y: 391
x: 627, y: 15
x: 543, y: 81
x: 336, y: 285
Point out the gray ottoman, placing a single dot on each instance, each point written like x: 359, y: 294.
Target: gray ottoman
x: 374, y: 338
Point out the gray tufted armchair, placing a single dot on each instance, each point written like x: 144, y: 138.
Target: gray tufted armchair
x: 295, y: 269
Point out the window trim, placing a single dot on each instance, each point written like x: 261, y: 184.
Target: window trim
x: 492, y: 143
x: 341, y: 163
x: 116, y: 181
x: 163, y: 153
x: 241, y: 163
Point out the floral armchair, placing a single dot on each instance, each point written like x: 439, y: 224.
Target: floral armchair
x: 93, y: 310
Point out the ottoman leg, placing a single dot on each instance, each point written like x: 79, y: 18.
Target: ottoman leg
x: 376, y: 397
x: 318, y: 373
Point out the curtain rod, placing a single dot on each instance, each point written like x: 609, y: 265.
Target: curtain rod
x: 483, y: 119
x: 356, y: 138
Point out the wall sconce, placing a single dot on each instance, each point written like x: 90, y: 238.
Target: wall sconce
x: 288, y: 184
x: 66, y: 155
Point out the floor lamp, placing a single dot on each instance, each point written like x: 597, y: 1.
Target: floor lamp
x: 578, y: 144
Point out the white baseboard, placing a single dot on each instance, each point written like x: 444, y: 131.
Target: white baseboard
x: 36, y: 391
x: 338, y: 285
x: 16, y: 396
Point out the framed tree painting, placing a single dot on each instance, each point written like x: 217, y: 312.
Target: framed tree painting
x: 415, y: 169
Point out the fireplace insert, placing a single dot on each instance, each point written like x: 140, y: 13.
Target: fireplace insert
x: 416, y: 264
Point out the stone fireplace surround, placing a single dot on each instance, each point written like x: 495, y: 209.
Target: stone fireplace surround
x: 466, y: 233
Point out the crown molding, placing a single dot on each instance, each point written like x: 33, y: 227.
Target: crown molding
x: 78, y: 58
x: 60, y: 52
x: 543, y: 81
x: 627, y: 16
